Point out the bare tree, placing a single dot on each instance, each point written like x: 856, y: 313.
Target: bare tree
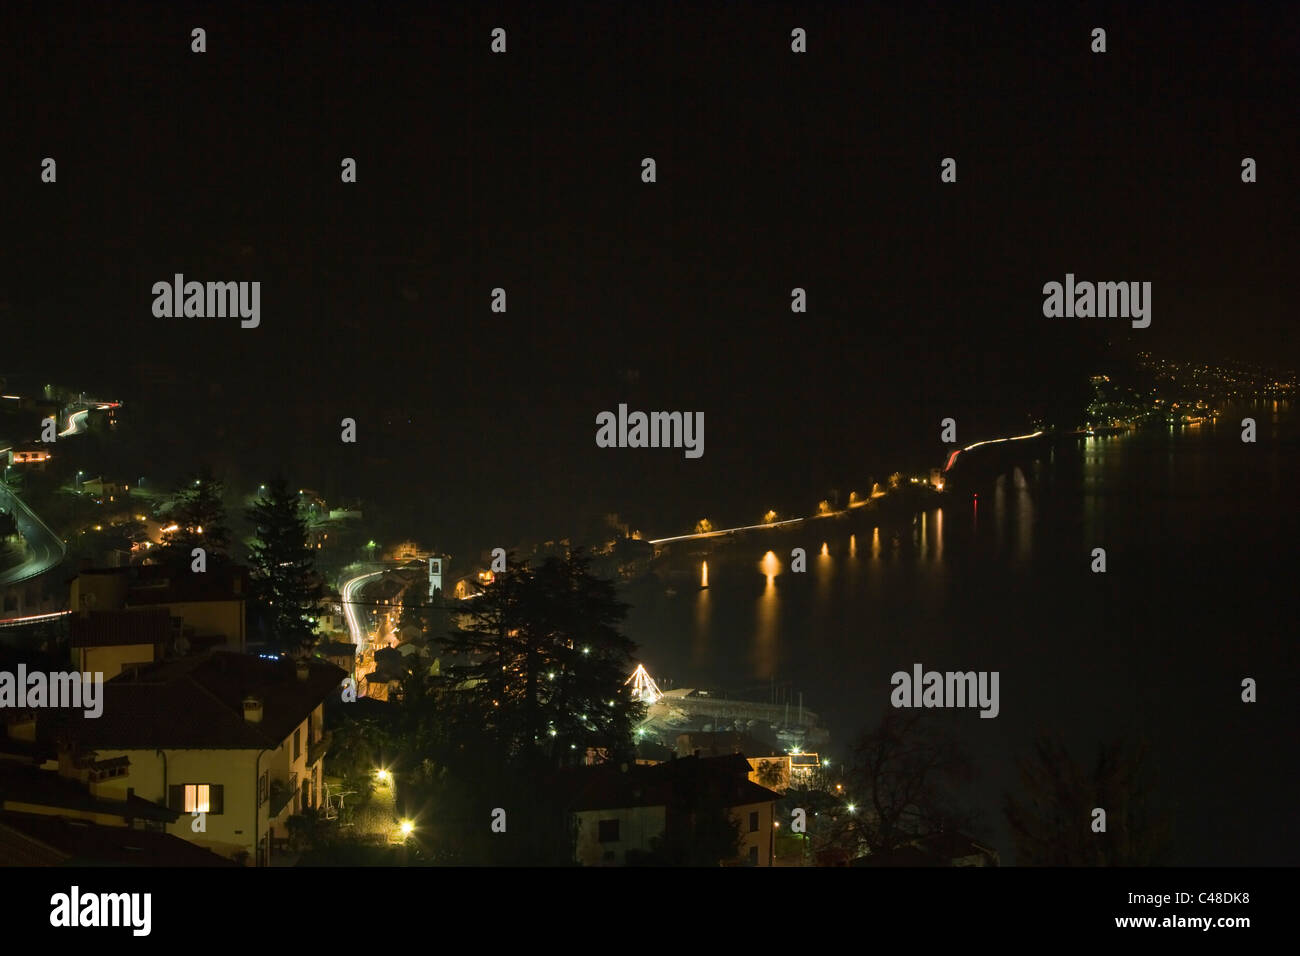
x: 902, y: 780
x: 1053, y: 825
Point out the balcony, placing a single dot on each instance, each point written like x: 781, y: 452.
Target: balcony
x: 317, y: 750
x: 282, y: 794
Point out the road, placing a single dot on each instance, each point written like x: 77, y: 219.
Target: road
x: 351, y: 611
x: 45, y: 549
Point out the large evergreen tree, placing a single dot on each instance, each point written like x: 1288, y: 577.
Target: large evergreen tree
x: 199, y: 513
x: 286, y: 588
x: 540, y: 663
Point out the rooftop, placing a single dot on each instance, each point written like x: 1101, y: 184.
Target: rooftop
x: 30, y: 785
x: 676, y: 782
x: 30, y: 839
x: 109, y: 628
x: 197, y: 703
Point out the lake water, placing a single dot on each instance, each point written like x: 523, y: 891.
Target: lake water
x: 1199, y: 593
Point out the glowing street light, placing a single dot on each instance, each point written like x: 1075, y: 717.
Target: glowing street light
x: 407, y: 827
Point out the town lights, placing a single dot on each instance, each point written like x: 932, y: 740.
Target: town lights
x: 382, y: 776
x: 407, y: 827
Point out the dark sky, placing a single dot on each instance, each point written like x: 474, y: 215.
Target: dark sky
x: 775, y: 170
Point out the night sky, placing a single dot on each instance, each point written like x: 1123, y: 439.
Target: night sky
x: 522, y: 171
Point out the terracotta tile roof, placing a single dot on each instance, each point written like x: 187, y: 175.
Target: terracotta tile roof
x: 28, y: 839
x: 197, y: 703
x: 676, y: 782
x: 46, y: 788
x: 108, y: 628
x: 156, y: 584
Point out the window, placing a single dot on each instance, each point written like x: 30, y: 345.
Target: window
x: 753, y: 856
x: 607, y: 831
x: 196, y: 797
x: 753, y: 822
x: 297, y: 743
x: 263, y: 787
x: 306, y: 795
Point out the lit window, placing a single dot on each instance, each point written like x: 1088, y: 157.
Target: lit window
x: 197, y: 797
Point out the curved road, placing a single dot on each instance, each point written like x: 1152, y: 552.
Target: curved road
x: 45, y: 549
x: 348, y: 592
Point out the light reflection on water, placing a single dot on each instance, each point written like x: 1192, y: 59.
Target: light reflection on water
x: 1086, y: 654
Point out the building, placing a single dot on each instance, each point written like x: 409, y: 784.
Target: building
x: 39, y: 839
x: 59, y: 817
x: 103, y: 490
x: 210, y: 606
x: 109, y: 642
x: 31, y: 455
x: 937, y: 849
x: 331, y: 619
x: 625, y: 814
x: 341, y: 654
x: 784, y: 771
x: 231, y: 743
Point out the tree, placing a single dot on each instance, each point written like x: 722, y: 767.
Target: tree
x: 286, y: 588
x: 355, y: 751
x: 901, y: 780
x: 199, y: 513
x: 701, y: 831
x: 1053, y: 824
x: 771, y: 773
x: 540, y: 663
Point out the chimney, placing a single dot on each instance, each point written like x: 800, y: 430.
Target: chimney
x: 303, y: 668
x: 252, y: 708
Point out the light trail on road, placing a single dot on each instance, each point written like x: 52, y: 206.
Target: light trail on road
x: 350, y: 588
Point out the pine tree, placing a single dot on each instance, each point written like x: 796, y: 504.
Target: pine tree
x: 199, y: 514
x: 541, y: 664
x: 286, y: 588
